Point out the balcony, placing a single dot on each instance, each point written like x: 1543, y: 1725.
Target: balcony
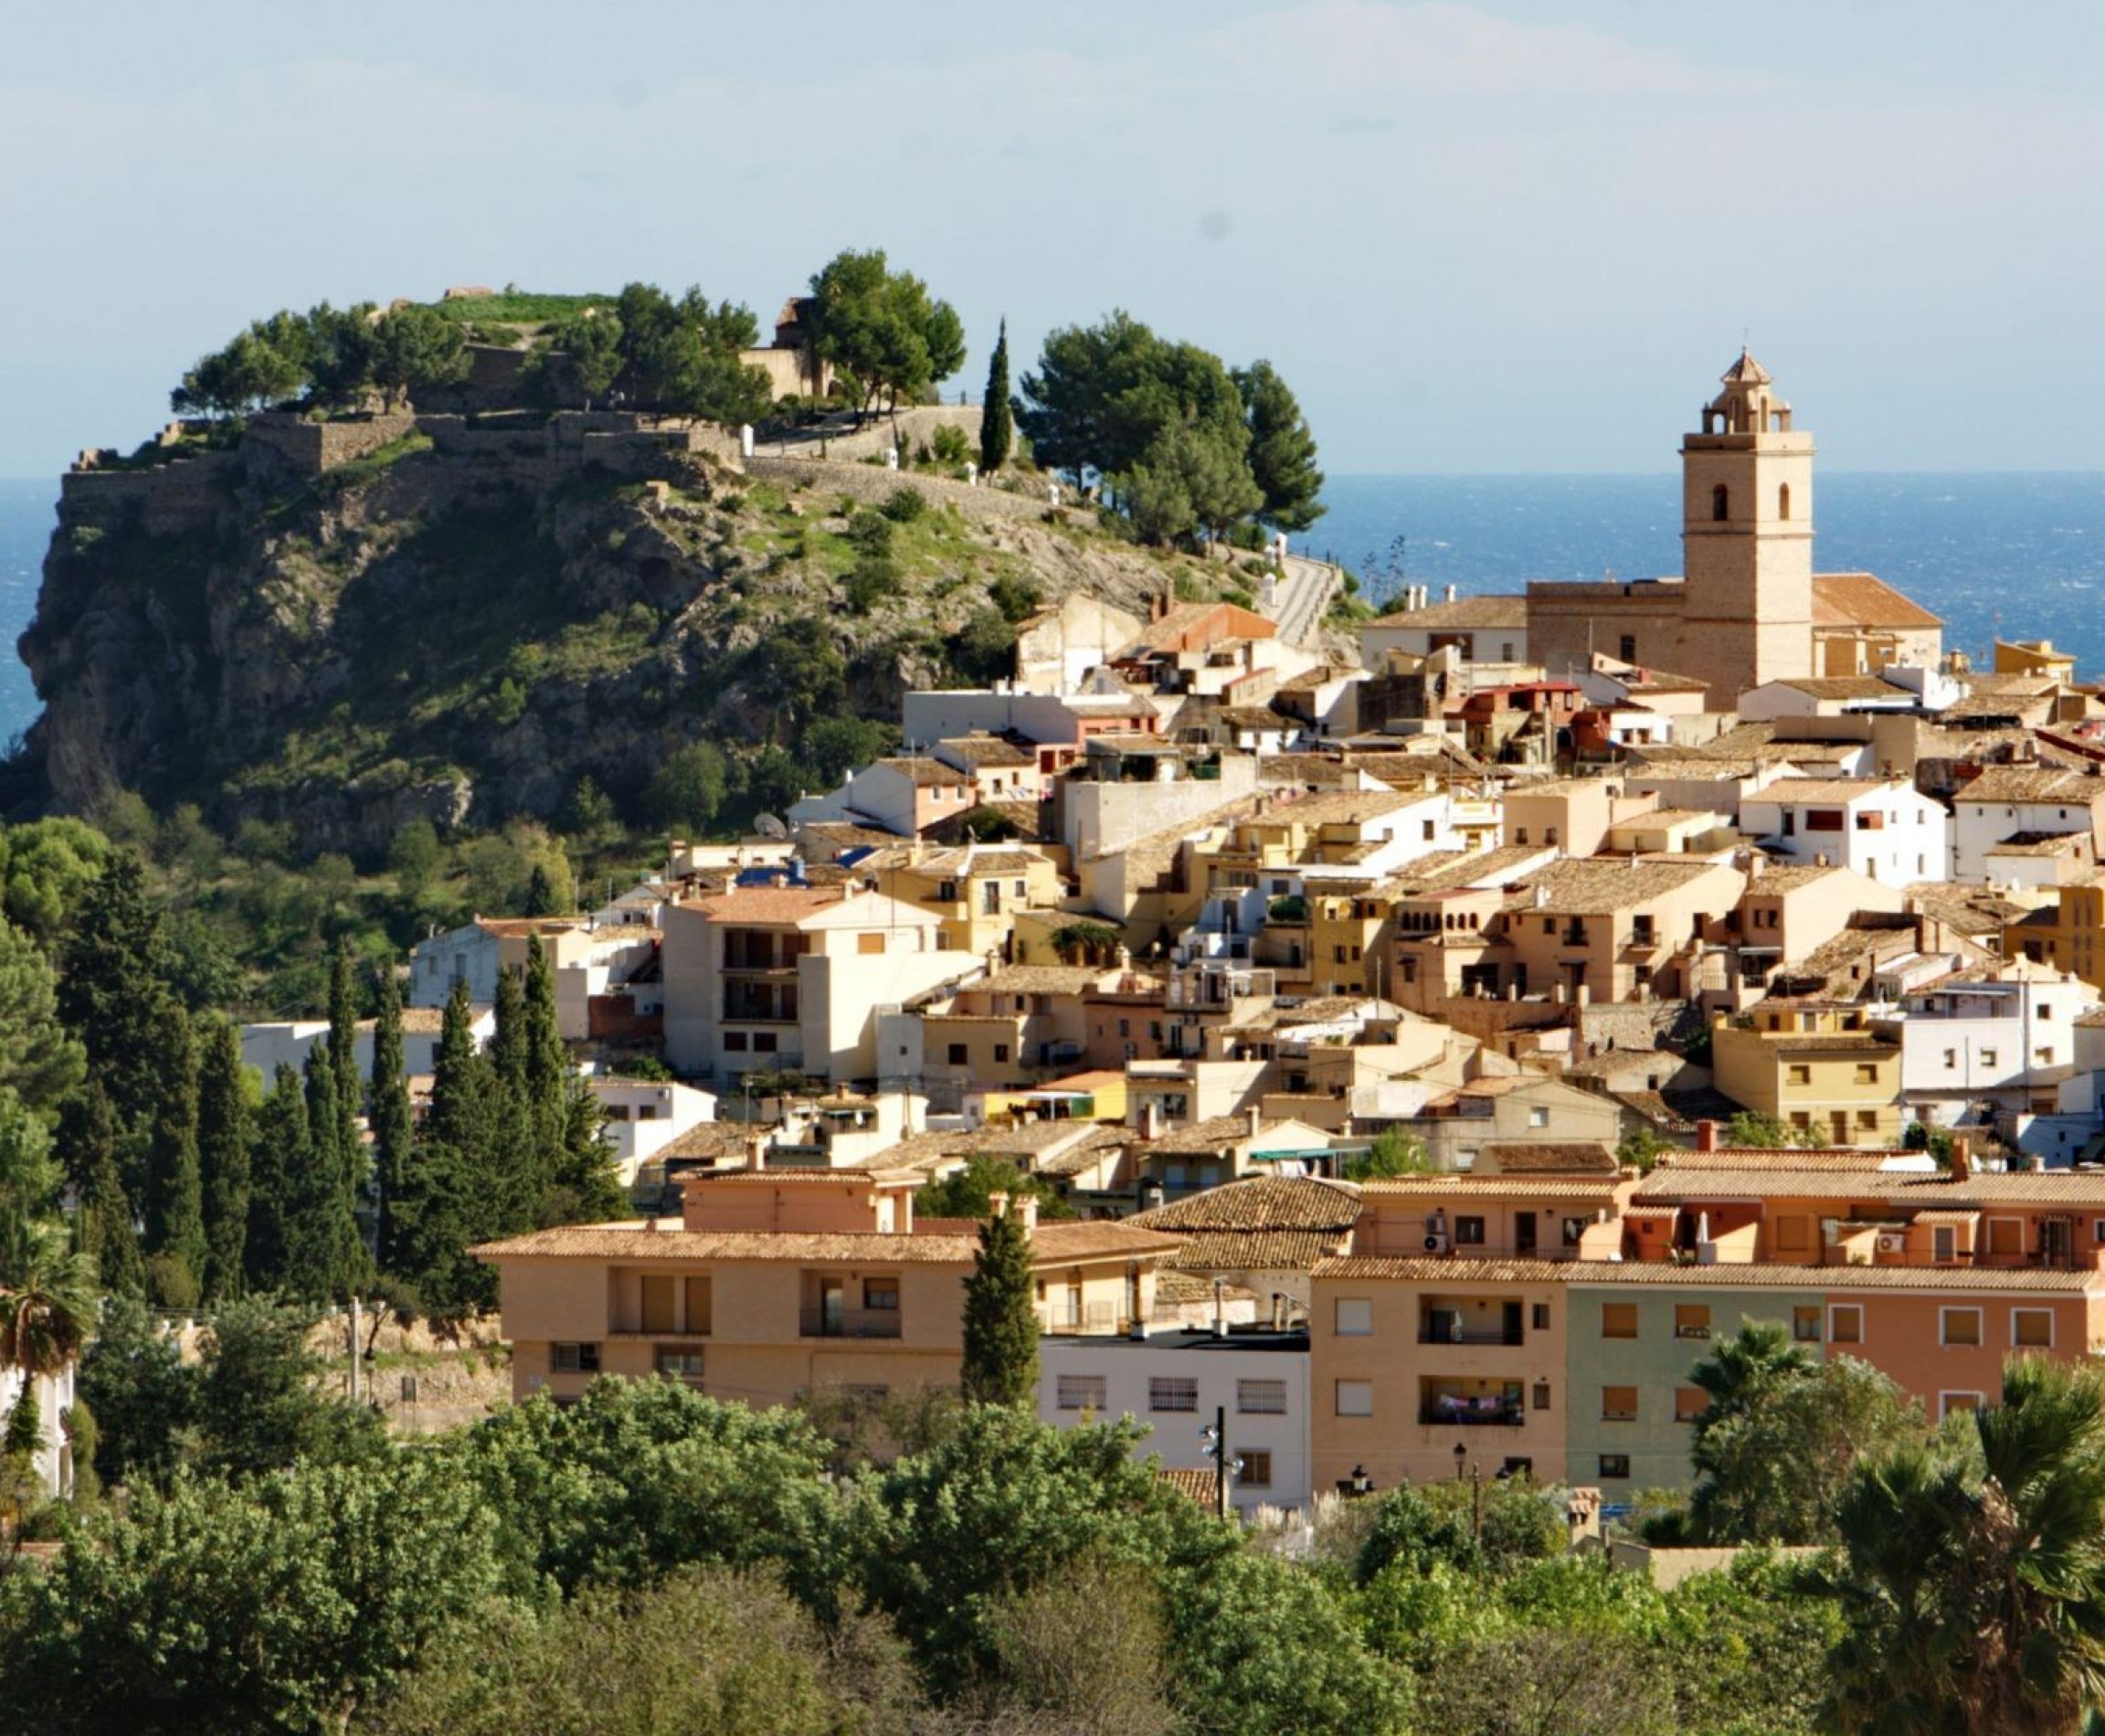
x: 1432, y: 1334
x: 1096, y: 1320
x: 848, y: 1323
x: 1501, y: 1414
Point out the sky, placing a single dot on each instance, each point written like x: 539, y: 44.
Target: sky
x: 1494, y: 237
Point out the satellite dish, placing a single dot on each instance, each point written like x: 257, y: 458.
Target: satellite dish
x: 768, y: 826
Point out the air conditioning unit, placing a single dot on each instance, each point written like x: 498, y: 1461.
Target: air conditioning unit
x: 1437, y: 1243
x: 1892, y: 1242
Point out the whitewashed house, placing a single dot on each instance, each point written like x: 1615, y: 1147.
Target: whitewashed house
x: 1884, y: 828
x: 2031, y: 803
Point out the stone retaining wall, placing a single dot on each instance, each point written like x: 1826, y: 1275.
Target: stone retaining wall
x: 873, y: 484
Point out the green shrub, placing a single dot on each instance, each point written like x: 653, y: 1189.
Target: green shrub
x: 905, y: 505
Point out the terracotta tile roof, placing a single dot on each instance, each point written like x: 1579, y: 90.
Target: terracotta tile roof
x: 1853, y: 1159
x: 1436, y: 1269
x: 615, y: 1242
x: 1847, y: 687
x: 1172, y: 1286
x: 2031, y: 783
x: 1831, y: 1042
x: 2075, y: 1191
x: 1261, y: 1202
x: 1256, y: 1250
x: 773, y: 904
x: 1596, y: 885
x: 1151, y: 856
x: 1438, y: 1190
x: 1857, y: 599
x: 1198, y: 1485
x: 1484, y: 612
x: 1054, y: 1243
x: 1039, y: 980
x: 859, y: 1176
x: 723, y: 1140
x: 1768, y: 1276
x: 513, y: 927
x: 422, y: 1020
x: 925, y: 773
x: 1580, y: 1157
x: 1791, y: 791
x: 1216, y: 1133
x: 977, y: 750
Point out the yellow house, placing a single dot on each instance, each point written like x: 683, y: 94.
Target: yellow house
x: 1098, y: 1095
x: 2069, y: 933
x: 1819, y: 1069
x: 776, y: 1282
x: 2034, y: 657
x: 975, y: 891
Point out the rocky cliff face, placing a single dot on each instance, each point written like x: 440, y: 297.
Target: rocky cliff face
x: 462, y: 637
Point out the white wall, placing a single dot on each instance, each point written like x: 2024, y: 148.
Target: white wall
x: 1127, y: 1365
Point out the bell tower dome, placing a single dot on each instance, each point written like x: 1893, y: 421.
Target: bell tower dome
x: 1747, y: 539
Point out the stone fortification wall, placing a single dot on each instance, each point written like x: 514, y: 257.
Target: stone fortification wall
x: 492, y: 384
x: 311, y: 448
x: 620, y: 440
x: 916, y: 426
x: 874, y: 484
x: 168, y: 500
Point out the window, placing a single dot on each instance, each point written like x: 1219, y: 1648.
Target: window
x: 1614, y: 1467
x: 1618, y: 1405
x: 1690, y: 1403
x: 575, y: 1358
x: 1783, y: 500
x: 1691, y: 1321
x: 1571, y: 1231
x: 1355, y: 1317
x: 1628, y: 648
x: 1720, y: 502
x: 1539, y: 1317
x: 1845, y: 1323
x: 1538, y: 1117
x: 1801, y: 1075
x: 1354, y: 1398
x: 1260, y: 1398
x: 1469, y: 1233
x: 734, y: 1041
x: 1000, y: 1052
x: 1988, y: 1058
x: 1618, y: 1319
x: 2006, y: 1236
x: 1948, y: 1402
x: 881, y: 1293
x: 1805, y: 1324
x: 763, y: 1042
x: 1792, y: 1236
x: 1540, y: 1399
x: 869, y: 943
x: 958, y: 1054
x: 1867, y: 1073
x: 1959, y: 1327
x: 1172, y: 1392
x: 2032, y: 1329
x: 1866, y: 1119
x: 1641, y: 931
x: 681, y: 1362
x: 1256, y: 1472
x: 1081, y: 1392
x: 1944, y: 1243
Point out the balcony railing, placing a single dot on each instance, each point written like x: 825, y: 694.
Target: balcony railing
x: 849, y: 1323
x: 1431, y: 1334
x: 1465, y: 1414
x: 1097, y: 1319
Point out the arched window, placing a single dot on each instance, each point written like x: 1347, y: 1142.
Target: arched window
x: 1718, y: 502
x: 1783, y: 500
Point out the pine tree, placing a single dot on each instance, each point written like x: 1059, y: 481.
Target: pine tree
x: 997, y: 420
x: 1281, y: 449
x: 389, y: 1117
x: 283, y: 1150
x: 176, y: 1195
x: 114, y: 995
x: 223, y: 1138
x: 1001, y: 1364
x: 108, y: 1230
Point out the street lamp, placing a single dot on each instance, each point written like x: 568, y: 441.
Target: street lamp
x: 1361, y: 1483
x: 1475, y: 1471
x: 1213, y: 1440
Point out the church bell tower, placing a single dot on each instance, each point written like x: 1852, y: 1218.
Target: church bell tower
x: 1747, y: 539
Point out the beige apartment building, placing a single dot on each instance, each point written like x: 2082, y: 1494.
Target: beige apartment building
x: 1821, y: 1070
x: 776, y: 1283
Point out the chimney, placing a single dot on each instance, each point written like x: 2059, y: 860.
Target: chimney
x: 997, y: 1205
x: 1450, y: 594
x: 1961, y: 1155
x: 756, y: 1148
x: 1026, y: 1208
x: 1706, y: 1135
x: 1220, y: 1308
x: 1254, y: 1119
x: 1151, y: 1119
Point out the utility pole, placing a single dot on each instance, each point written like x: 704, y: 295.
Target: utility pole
x: 354, y: 1333
x: 1220, y: 1461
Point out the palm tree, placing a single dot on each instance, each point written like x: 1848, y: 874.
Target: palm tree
x: 1972, y: 1580
x: 48, y: 1297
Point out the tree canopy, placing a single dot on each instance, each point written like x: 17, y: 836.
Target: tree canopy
x: 882, y: 331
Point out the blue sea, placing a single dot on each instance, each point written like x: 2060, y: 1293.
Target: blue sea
x: 2019, y: 554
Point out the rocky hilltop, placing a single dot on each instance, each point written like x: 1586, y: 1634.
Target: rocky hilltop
x: 347, y: 626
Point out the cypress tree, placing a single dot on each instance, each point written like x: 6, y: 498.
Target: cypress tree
x: 327, y: 1255
x: 547, y: 1066
x: 283, y: 1150
x: 997, y: 420
x: 451, y: 1200
x: 459, y: 1116
x: 388, y: 1114
x: 518, y: 1178
x: 587, y: 1190
x: 223, y: 1138
x: 174, y: 1190
x: 1001, y: 1364
x: 343, y: 1032
x: 108, y: 1231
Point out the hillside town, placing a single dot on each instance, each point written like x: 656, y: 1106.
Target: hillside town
x: 1408, y: 1058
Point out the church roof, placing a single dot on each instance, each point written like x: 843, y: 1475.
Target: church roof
x: 1857, y: 599
x: 1745, y: 371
